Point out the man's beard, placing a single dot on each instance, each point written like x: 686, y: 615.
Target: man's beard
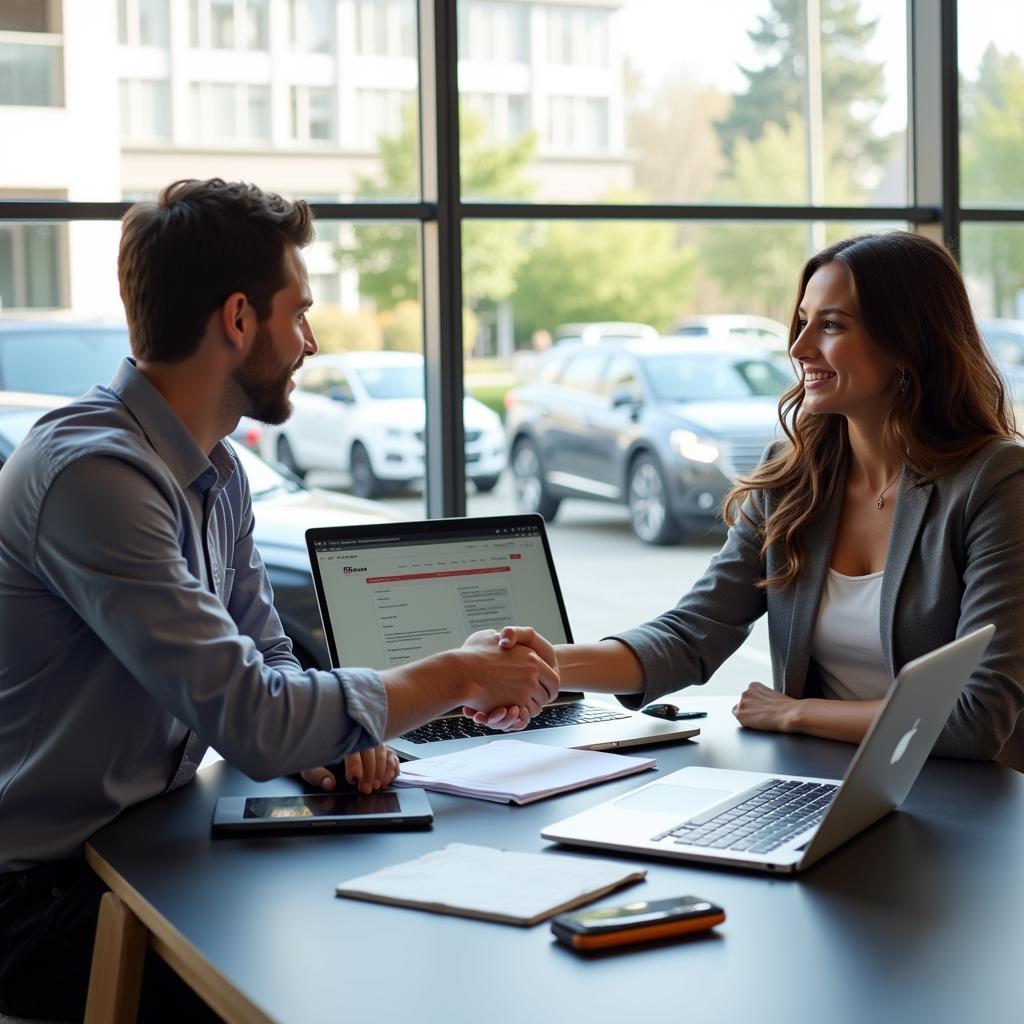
x: 264, y: 382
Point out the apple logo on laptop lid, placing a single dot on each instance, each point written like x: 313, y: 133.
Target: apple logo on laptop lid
x: 901, y: 747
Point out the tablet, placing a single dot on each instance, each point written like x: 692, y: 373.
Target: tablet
x: 346, y: 811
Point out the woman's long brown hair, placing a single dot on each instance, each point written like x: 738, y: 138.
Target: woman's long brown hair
x: 914, y: 305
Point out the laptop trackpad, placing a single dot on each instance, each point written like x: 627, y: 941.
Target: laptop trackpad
x: 681, y: 800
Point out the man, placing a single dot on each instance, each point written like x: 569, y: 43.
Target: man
x: 136, y: 619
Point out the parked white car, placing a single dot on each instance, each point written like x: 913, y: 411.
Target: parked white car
x: 363, y: 413
x: 759, y: 330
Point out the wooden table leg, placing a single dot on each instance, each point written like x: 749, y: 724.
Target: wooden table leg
x: 117, y: 961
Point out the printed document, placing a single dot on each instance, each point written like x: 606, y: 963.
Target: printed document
x: 514, y: 771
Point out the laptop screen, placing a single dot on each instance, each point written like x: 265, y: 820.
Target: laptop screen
x: 392, y: 593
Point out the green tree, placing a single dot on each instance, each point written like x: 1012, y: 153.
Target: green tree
x: 602, y: 270
x: 992, y: 155
x: 852, y: 87
x: 756, y: 262
x: 387, y: 255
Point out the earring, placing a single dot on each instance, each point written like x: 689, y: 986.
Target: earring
x: 902, y: 385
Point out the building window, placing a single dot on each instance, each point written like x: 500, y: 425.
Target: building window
x: 506, y: 118
x: 379, y: 114
x: 258, y: 99
x: 326, y: 289
x: 222, y: 24
x: 257, y: 25
x: 142, y: 23
x: 230, y: 111
x: 145, y: 110
x: 386, y: 28
x: 30, y: 266
x: 30, y: 74
x: 229, y: 24
x: 31, y: 54
x: 311, y: 25
x: 496, y: 32
x: 312, y: 114
x: 577, y: 37
x: 578, y: 122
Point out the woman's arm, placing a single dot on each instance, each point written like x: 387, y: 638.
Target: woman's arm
x: 608, y: 666
x: 761, y: 707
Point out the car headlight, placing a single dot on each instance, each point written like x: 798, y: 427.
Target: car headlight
x: 691, y: 447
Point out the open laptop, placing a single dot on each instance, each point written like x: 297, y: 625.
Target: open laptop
x: 390, y: 593
x: 787, y: 822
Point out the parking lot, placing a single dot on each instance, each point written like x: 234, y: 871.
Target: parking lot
x: 610, y: 581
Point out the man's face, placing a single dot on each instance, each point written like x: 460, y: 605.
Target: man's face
x: 282, y: 342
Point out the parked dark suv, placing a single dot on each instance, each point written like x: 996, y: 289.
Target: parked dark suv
x: 664, y: 426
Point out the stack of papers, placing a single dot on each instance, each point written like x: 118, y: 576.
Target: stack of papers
x: 517, y: 772
x: 492, y: 885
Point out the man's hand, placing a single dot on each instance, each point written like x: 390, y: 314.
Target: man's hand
x: 511, y: 718
x: 370, y: 770
x: 761, y: 707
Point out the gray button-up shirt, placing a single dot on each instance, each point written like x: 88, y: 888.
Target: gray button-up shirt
x: 137, y: 626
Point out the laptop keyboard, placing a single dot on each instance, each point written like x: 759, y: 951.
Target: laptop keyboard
x: 758, y: 820
x: 576, y: 713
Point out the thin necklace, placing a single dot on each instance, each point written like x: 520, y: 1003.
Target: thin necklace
x: 880, y: 501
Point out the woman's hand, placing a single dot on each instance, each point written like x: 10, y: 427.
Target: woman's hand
x: 370, y: 770
x: 761, y: 707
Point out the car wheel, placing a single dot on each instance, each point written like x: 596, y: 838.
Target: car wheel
x: 365, y: 483
x: 649, y: 512
x: 485, y: 484
x: 286, y: 457
x: 531, y: 493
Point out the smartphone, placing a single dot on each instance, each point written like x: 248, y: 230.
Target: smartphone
x: 345, y: 811
x: 640, y: 921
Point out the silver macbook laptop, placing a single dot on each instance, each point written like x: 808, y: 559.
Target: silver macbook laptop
x: 390, y: 593
x: 787, y: 822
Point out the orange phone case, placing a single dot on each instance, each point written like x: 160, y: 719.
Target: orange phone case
x: 644, y: 933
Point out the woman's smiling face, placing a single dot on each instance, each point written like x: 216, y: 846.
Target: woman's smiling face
x: 844, y: 370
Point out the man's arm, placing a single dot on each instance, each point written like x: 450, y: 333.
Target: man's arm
x: 109, y: 545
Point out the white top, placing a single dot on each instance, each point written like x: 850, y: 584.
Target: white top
x: 847, y: 643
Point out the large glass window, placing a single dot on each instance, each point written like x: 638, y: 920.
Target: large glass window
x: 991, y: 43
x: 748, y: 102
x: 991, y: 65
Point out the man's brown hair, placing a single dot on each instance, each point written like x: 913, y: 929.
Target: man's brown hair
x: 200, y: 242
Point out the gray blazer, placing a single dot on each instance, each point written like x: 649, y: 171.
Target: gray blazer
x: 954, y: 563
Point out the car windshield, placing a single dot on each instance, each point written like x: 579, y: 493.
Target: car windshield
x: 384, y: 382
x: 64, y: 361
x: 709, y: 378
x: 263, y: 478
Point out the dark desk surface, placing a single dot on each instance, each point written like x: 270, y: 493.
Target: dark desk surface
x: 917, y: 919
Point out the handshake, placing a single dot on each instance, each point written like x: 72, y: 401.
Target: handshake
x: 518, y: 676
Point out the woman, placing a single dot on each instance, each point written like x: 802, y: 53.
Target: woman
x: 890, y: 522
